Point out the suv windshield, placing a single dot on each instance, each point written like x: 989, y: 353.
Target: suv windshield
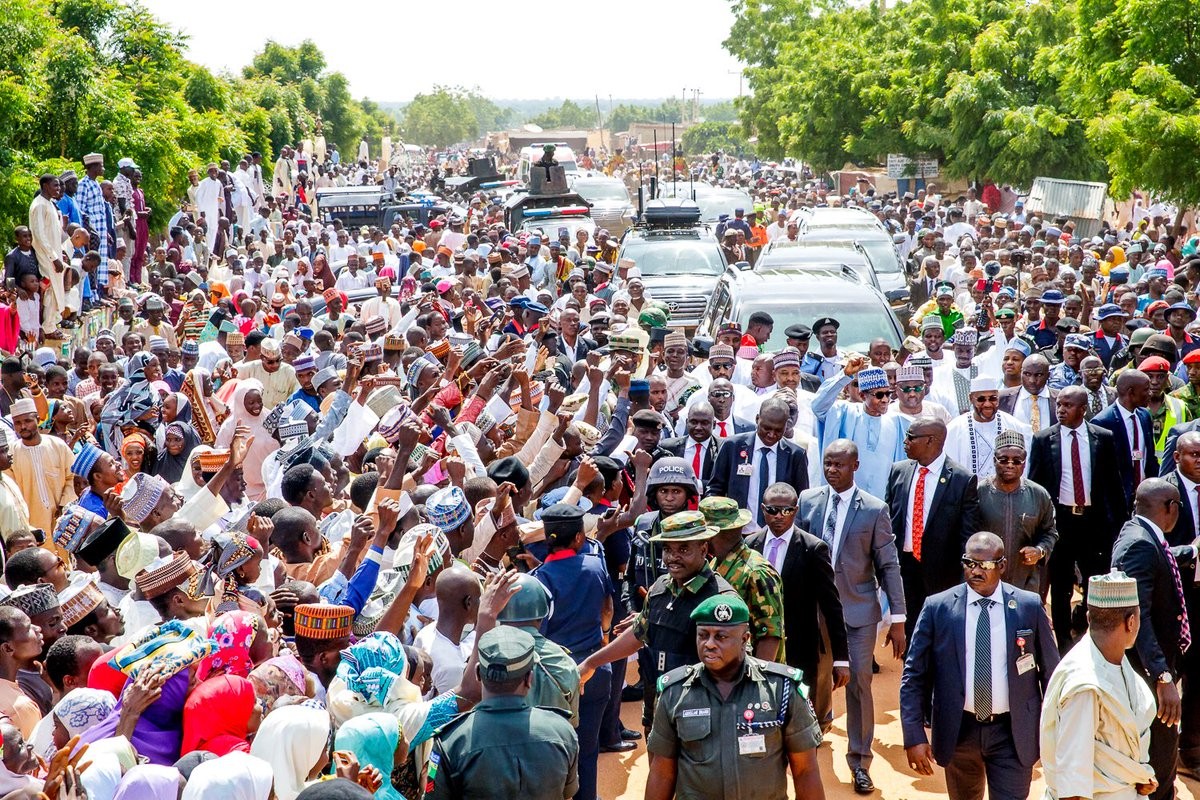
x: 860, y: 322
x: 602, y: 191
x: 675, y: 256
x: 881, y: 251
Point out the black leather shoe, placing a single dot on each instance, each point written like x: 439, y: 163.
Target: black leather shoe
x: 862, y: 782
x: 632, y: 693
x: 630, y: 735
x: 621, y: 747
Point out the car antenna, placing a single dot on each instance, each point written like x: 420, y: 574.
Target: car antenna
x: 654, y: 187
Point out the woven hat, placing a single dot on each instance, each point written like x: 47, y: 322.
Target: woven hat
x: 191, y: 347
x: 140, y: 495
x: 80, y: 599
x: 73, y: 526
x: 406, y: 549
x: 983, y: 383
x: 787, y: 357
x: 448, y: 508
x: 931, y: 322
x: 626, y: 341
x: 33, y: 599
x: 1112, y: 590
x: 966, y: 336
x: 371, y: 352
x: 393, y: 342
x: 324, y: 622
x: 382, y: 399
x: 910, y: 374
x: 212, y: 460
x: 721, y: 352
x: 1010, y: 439
x: 872, y: 378
x: 87, y: 457
x: 375, y: 326
x: 164, y: 574
x: 675, y: 339
x: 135, y: 553
x: 295, y: 341
x: 304, y: 363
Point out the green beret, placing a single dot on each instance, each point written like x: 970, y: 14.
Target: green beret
x: 722, y: 609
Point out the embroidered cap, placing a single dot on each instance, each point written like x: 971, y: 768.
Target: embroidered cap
x: 448, y: 508
x: 164, y: 574
x: 140, y: 495
x: 872, y: 378
x: 33, y: 599
x: 324, y: 622
x: 73, y: 526
x: 88, y: 455
x: 80, y: 599
x: 1112, y: 590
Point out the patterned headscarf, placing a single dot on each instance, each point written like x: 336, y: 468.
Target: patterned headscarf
x: 371, y: 665
x: 233, y: 634
x: 228, y: 552
x: 80, y: 709
x: 172, y: 643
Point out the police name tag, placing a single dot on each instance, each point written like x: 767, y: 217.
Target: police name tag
x: 751, y: 745
x: 1025, y: 663
x: 745, y: 469
x: 695, y: 712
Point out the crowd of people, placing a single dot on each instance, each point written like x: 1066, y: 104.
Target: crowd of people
x: 335, y: 512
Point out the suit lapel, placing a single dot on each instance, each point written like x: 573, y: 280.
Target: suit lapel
x: 1011, y: 625
x: 1056, y: 456
x: 960, y: 630
x: 793, y: 556
x: 855, y: 505
x: 938, y: 490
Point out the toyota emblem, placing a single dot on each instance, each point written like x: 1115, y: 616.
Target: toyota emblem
x: 672, y: 306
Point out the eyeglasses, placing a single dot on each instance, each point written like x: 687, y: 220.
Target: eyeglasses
x: 884, y: 395
x: 1006, y: 460
x: 778, y: 510
x: 971, y: 563
x: 1096, y: 371
x: 271, y: 361
x: 911, y: 389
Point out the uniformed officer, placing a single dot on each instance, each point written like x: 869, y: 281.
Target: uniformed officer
x: 503, y: 747
x: 555, y: 676
x: 582, y: 595
x: 664, y: 624
x: 732, y: 725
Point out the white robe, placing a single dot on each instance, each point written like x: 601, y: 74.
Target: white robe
x: 958, y: 441
x: 210, y: 196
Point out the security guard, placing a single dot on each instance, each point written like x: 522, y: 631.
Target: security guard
x: 732, y: 725
x: 664, y: 624
x: 555, y: 676
x: 503, y: 747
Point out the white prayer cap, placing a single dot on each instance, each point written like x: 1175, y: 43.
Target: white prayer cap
x: 23, y: 406
x: 984, y: 384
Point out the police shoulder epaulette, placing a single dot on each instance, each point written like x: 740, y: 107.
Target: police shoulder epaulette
x: 775, y: 668
x: 674, y: 676
x: 562, y: 712
x: 457, y: 718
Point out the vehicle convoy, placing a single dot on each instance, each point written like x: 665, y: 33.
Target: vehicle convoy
x: 370, y: 205
x: 530, y: 155
x: 678, y: 255
x: 854, y: 229
x: 792, y: 296
x: 611, y: 207
x: 549, y: 206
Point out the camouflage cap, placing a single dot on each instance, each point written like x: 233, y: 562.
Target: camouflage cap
x: 686, y: 526
x: 724, y: 513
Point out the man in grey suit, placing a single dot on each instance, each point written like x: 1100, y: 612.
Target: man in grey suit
x: 980, y: 661
x: 858, y: 530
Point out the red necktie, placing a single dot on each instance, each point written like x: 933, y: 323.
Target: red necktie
x: 694, y: 503
x: 723, y: 433
x: 1077, y: 471
x: 918, y: 514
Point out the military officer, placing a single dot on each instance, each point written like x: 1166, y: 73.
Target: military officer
x: 504, y: 747
x: 664, y: 624
x: 555, y: 676
x: 732, y: 725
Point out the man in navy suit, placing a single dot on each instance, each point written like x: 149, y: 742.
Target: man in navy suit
x: 750, y: 462
x: 1135, y: 442
x: 1108, y: 340
x: 978, y: 666
x: 1143, y: 553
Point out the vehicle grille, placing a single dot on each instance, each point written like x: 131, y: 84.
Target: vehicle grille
x: 685, y: 310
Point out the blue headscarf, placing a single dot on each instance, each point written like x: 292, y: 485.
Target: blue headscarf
x: 374, y: 739
x: 370, y: 666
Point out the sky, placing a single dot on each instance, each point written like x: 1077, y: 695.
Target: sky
x: 593, y: 48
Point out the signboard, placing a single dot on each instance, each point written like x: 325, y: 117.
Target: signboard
x: 899, y: 167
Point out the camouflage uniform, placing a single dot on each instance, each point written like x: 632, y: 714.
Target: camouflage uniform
x: 757, y: 583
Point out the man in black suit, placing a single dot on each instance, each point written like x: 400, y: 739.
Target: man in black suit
x: 1186, y: 480
x: 930, y: 535
x: 699, y: 447
x: 1133, y: 433
x: 1168, y: 458
x: 750, y: 462
x: 810, y: 598
x: 1076, y: 463
x: 1142, y: 553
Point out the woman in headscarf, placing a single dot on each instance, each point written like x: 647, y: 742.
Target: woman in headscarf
x: 192, y: 480
x: 150, y: 782
x: 241, y: 639
x: 220, y: 716
x: 207, y: 411
x: 138, y: 453
x: 179, y: 440
x: 131, y: 407
x: 236, y: 776
x: 76, y: 713
x: 375, y: 740
x: 294, y: 740
x: 246, y: 408
x: 282, y: 676
x: 59, y: 420
x: 234, y: 560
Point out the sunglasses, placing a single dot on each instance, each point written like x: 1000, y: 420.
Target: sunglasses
x: 883, y: 395
x: 971, y: 563
x: 912, y: 437
x: 1006, y: 460
x: 720, y: 395
x: 991, y: 398
x: 912, y: 389
x: 778, y: 510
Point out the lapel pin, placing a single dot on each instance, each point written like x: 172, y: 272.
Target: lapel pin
x: 941, y: 480
x: 1012, y: 603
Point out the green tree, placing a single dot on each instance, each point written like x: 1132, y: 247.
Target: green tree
x: 439, y: 118
x: 569, y: 115
x: 708, y: 137
x: 204, y: 91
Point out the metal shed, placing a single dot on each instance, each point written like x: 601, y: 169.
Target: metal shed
x: 1086, y: 203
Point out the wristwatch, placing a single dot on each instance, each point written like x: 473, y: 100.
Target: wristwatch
x: 1165, y: 677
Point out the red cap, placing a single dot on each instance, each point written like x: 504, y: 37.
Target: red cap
x: 1155, y: 364
x: 1192, y: 357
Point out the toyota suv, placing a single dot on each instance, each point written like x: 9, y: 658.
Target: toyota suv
x: 679, y: 257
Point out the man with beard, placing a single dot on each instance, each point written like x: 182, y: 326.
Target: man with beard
x: 41, y: 467
x: 971, y: 438
x: 1019, y: 512
x: 679, y: 381
x: 910, y: 397
x: 952, y: 382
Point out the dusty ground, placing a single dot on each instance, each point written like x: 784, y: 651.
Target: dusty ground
x: 623, y: 775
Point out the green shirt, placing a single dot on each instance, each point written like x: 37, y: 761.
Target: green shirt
x: 555, y: 676
x: 756, y: 582
x: 716, y: 747
x: 1190, y: 398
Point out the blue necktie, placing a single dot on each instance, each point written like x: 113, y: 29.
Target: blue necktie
x: 764, y: 480
x: 831, y: 523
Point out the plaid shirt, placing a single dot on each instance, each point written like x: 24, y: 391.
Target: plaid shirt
x: 91, y: 202
x: 756, y: 582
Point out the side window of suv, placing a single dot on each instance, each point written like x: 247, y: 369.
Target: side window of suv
x: 717, y: 308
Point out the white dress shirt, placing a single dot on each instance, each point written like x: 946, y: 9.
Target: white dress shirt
x: 1023, y: 408
x: 1066, y: 486
x: 1132, y: 428
x: 772, y: 470
x: 843, y: 508
x: 999, y: 651
x: 931, y: 482
x: 689, y: 454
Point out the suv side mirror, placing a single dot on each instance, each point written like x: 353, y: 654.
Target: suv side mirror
x: 743, y: 265
x: 897, y: 296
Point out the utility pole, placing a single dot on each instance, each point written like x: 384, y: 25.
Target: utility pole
x: 741, y: 75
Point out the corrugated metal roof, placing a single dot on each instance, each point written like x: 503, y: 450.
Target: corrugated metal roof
x: 1067, y: 198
